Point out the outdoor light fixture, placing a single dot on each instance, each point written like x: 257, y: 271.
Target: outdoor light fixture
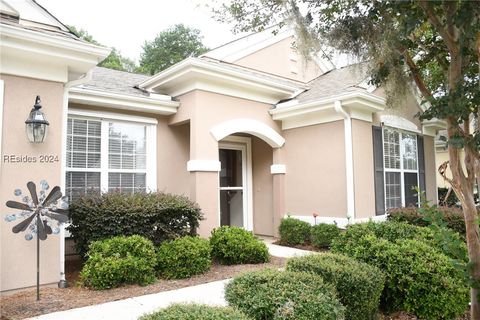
x: 36, y: 124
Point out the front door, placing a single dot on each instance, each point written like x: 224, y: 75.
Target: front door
x: 233, y: 178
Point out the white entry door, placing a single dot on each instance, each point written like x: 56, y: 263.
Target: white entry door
x: 234, y: 183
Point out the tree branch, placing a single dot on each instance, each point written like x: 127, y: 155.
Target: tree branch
x: 437, y: 24
x: 416, y: 75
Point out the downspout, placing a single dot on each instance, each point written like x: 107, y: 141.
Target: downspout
x: 88, y: 76
x: 348, y: 160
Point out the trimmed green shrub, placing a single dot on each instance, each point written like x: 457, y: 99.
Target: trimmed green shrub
x: 393, y: 231
x: 119, y: 260
x: 294, y: 232
x: 195, y: 312
x: 183, y: 257
x: 234, y: 245
x: 155, y: 216
x: 419, y: 278
x: 452, y: 216
x: 358, y: 284
x: 274, y: 295
x: 322, y: 234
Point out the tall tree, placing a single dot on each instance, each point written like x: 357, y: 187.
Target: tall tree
x: 114, y: 60
x: 169, y: 47
x: 433, y: 44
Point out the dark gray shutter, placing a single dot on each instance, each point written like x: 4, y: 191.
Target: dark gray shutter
x: 378, y: 167
x: 421, y: 163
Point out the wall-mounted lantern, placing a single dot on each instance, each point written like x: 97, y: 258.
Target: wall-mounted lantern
x: 36, y: 123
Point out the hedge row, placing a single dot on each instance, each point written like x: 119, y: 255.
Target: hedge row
x: 296, y: 232
x: 452, y: 216
x: 420, y: 278
x: 134, y: 259
x: 155, y: 216
x: 195, y: 312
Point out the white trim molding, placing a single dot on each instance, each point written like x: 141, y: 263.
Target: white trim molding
x: 278, y: 169
x: 431, y: 127
x: 201, y: 74
x: 47, y: 56
x: 203, y: 165
x: 340, y: 222
x: 2, y: 90
x: 157, y: 104
x: 359, y: 105
x: 399, y: 123
x: 110, y: 116
x: 253, y: 127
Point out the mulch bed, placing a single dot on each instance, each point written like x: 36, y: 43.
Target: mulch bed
x: 23, y: 304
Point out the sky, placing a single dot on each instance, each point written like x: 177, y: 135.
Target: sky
x: 126, y: 25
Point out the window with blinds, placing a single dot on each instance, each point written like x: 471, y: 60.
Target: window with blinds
x: 400, y: 156
x: 118, y: 163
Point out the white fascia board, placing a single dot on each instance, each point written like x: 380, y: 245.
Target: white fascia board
x: 179, y: 77
x: 352, y: 100
x: 27, y: 46
x: 123, y: 102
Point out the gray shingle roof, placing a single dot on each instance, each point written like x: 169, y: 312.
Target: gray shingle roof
x: 334, y: 82
x: 115, y: 81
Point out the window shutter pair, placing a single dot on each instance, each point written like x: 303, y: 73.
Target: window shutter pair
x: 378, y: 168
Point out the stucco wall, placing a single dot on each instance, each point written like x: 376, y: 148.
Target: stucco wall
x: 315, y: 180
x: 277, y: 59
x: 363, y: 169
x: 204, y: 110
x: 262, y: 188
x: 18, y: 256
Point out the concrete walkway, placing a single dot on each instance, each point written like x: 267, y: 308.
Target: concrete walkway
x: 131, y: 309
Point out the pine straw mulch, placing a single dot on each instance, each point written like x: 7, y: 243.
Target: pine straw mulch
x: 23, y: 304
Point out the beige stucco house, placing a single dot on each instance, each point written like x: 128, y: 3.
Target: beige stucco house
x: 250, y: 130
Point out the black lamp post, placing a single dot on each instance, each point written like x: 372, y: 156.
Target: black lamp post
x: 36, y: 124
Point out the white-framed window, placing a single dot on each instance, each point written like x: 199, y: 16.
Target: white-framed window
x: 400, y: 160
x: 108, y: 154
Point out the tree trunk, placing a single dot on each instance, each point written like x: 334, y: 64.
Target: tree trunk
x: 463, y: 186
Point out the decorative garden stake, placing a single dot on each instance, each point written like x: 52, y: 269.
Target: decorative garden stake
x: 315, y: 215
x: 41, y: 215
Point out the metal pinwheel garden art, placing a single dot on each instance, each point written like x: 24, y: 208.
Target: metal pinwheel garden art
x: 41, y: 215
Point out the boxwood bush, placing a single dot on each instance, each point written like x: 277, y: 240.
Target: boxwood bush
x: 195, y: 312
x: 273, y: 295
x: 358, y: 284
x: 322, y: 234
x: 419, y: 278
x: 183, y: 257
x: 155, y: 216
x: 394, y: 231
x: 452, y: 216
x: 234, y: 245
x: 119, y: 260
x: 294, y: 232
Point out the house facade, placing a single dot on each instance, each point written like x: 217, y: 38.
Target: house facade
x: 251, y: 131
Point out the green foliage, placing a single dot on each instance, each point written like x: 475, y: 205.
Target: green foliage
x: 453, y: 217
x: 195, y: 312
x: 234, y: 245
x: 119, y: 260
x: 274, y: 295
x: 114, y: 60
x: 419, y: 278
x: 169, y: 47
x: 155, y: 216
x: 183, y: 257
x: 358, y: 284
x: 294, y: 232
x: 323, y: 234
x: 394, y: 231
